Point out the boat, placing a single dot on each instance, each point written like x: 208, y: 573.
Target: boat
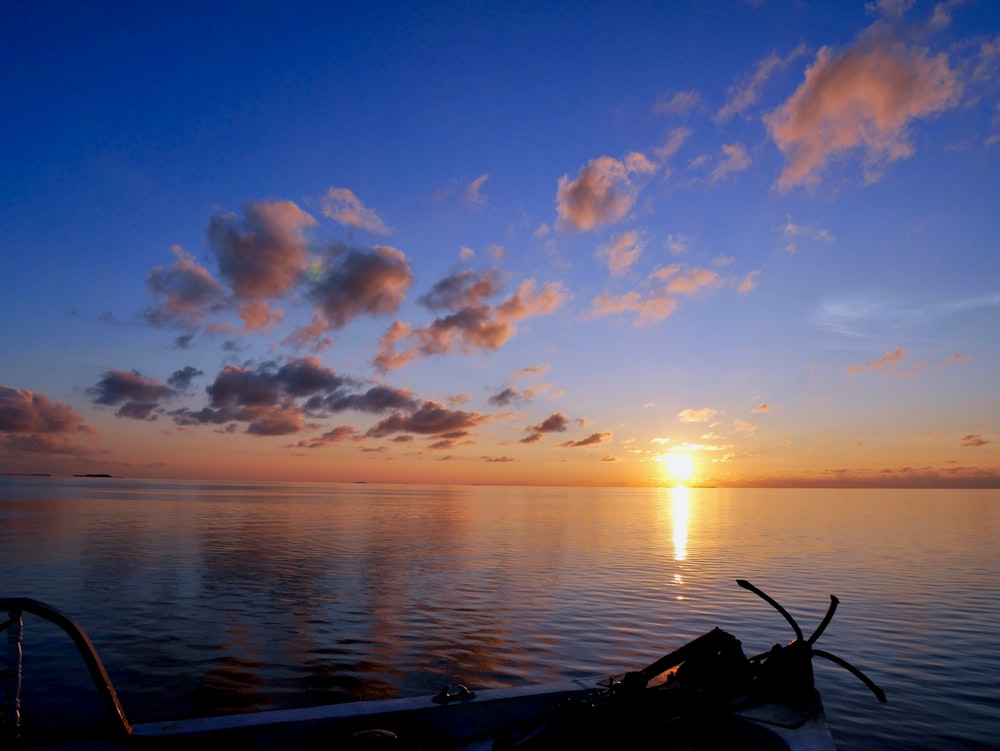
x: 705, y: 695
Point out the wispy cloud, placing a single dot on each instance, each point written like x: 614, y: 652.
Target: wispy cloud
x: 744, y: 95
x: 677, y: 103
x: 341, y: 205
x: 622, y: 252
x: 888, y: 363
x: 860, y: 316
x: 472, y: 195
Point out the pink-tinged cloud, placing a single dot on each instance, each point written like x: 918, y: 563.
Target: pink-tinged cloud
x: 749, y: 283
x: 686, y: 281
x: 602, y: 193
x: 735, y: 158
x: 675, y: 140
x: 622, y: 252
x: 760, y: 408
x: 678, y: 103
x: 888, y: 361
x: 30, y: 423
x: 341, y: 205
x: 697, y: 415
x: 188, y: 290
x: 468, y: 329
x: 650, y: 308
x: 973, y: 440
x: 743, y: 96
x: 863, y: 99
x: 265, y: 254
x: 26, y: 412
x: 594, y: 439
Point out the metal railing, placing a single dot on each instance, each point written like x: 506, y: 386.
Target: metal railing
x: 16, y: 607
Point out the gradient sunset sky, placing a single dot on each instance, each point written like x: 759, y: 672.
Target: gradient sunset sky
x: 531, y: 243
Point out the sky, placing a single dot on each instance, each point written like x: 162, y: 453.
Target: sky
x: 519, y: 243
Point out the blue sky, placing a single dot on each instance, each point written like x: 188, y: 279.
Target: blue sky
x: 502, y: 243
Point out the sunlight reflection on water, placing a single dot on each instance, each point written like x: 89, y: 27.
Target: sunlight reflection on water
x: 221, y: 597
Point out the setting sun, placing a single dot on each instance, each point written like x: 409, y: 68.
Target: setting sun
x: 680, y: 466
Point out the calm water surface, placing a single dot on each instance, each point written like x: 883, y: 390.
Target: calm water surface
x: 221, y: 597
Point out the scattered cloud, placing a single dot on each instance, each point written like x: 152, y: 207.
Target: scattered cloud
x: 973, y: 440
x: 697, y: 415
x: 622, y: 252
x: 734, y: 159
x: 760, y: 408
x: 554, y: 423
x: 862, y: 99
x: 472, y: 195
x: 602, y: 193
x: 594, y: 439
x: 675, y: 140
x: 887, y: 363
x: 430, y: 418
x: 678, y: 103
x: 341, y: 205
x: 794, y: 232
x: 748, y: 283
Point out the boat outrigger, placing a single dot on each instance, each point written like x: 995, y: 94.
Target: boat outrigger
x: 705, y: 695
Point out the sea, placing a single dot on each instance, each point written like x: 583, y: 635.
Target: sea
x: 205, y: 598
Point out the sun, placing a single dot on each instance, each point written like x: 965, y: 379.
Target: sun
x: 680, y: 466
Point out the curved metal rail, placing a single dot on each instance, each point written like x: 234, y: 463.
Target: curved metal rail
x: 16, y: 607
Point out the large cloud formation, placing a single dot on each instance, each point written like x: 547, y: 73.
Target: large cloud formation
x: 275, y: 398
x: 138, y: 395
x: 862, y: 99
x: 32, y: 423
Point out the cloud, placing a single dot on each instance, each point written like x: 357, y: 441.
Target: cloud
x: 594, y: 439
x: 744, y: 426
x: 748, y: 283
x: 274, y: 398
x: 887, y: 363
x: 506, y: 397
x: 678, y: 103
x: 650, y: 307
x: 734, y: 159
x: 760, y: 408
x: 973, y: 440
x: 794, y: 231
x: 679, y: 280
x: 138, y: 395
x: 601, y: 194
x: 554, y: 423
x: 697, y: 415
x: 622, y: 252
x: 462, y: 289
x: 341, y: 205
x: 470, y: 327
x: 862, y: 99
x: 31, y: 423
x: 337, y: 435
x: 189, y: 291
x: 180, y: 380
x: 362, y: 281
x: 263, y: 255
x: 471, y: 195
x: 675, y: 140
x: 857, y: 316
x: 430, y: 418
x: 27, y: 412
x: 743, y: 96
